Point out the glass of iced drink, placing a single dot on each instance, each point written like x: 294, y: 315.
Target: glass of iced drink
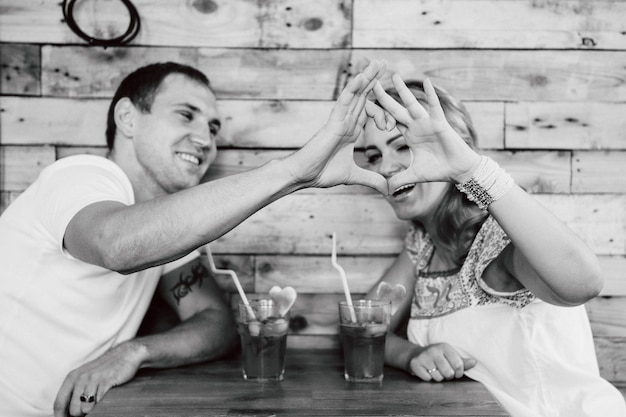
x: 263, y: 340
x: 363, y: 329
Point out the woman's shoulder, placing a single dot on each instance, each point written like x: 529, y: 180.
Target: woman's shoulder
x: 489, y: 243
x: 491, y: 229
x: 490, y: 240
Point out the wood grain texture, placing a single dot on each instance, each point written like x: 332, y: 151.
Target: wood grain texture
x: 246, y: 123
x: 20, y: 165
x: 268, y: 74
x: 604, y: 314
x: 206, y: 23
x: 599, y: 172
x: 77, y: 71
x: 562, y: 125
x: 611, y: 352
x: 270, y: 124
x: 510, y: 24
x: 510, y: 75
x: 313, y: 385
x: 20, y: 69
x: 614, y: 269
x: 319, y: 74
x: 53, y: 121
x: 6, y: 197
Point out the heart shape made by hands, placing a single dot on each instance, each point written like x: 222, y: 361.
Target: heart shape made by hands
x: 387, y: 292
x: 283, y: 298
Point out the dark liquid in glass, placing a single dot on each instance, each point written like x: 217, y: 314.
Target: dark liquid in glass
x: 364, y: 352
x: 263, y: 346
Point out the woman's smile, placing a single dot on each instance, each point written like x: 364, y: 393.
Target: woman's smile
x: 403, y: 192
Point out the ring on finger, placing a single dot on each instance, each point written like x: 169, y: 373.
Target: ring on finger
x: 84, y: 398
x: 430, y: 371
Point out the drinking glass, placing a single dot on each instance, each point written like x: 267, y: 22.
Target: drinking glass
x: 363, y: 329
x: 263, y: 335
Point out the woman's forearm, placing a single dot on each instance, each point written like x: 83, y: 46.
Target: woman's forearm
x: 550, y: 251
x: 399, y: 351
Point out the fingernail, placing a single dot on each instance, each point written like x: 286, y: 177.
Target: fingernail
x: 389, y: 125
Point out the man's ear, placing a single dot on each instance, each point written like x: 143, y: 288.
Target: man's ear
x: 125, y: 117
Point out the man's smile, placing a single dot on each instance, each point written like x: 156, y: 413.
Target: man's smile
x: 193, y: 159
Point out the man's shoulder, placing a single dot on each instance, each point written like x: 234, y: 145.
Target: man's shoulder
x: 87, y: 175
x: 83, y: 163
x: 84, y: 160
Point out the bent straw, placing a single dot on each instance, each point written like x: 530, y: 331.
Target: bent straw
x: 344, y: 280
x: 233, y: 275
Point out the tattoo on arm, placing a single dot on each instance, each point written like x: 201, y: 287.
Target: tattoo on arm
x: 185, y: 282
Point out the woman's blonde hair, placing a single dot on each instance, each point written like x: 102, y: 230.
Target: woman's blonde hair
x: 458, y: 219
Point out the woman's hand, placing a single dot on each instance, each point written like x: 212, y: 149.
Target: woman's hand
x: 439, y: 362
x: 438, y: 152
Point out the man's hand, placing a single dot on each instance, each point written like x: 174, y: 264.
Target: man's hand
x: 115, y: 367
x: 328, y: 158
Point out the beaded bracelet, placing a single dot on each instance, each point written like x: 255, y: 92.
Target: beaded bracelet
x: 488, y: 184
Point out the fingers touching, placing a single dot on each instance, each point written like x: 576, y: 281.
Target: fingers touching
x: 389, y: 104
x: 363, y: 82
x: 414, y: 109
x: 382, y: 118
x: 353, y: 98
x: 410, y: 109
x: 370, y: 179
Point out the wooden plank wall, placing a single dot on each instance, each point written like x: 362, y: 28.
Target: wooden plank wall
x: 544, y: 79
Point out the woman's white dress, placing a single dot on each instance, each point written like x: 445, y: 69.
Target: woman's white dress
x: 537, y: 359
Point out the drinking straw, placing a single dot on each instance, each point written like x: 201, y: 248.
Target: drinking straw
x: 344, y: 280
x: 233, y: 275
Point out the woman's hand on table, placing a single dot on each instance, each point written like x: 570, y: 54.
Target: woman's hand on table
x: 439, y: 362
x: 92, y: 380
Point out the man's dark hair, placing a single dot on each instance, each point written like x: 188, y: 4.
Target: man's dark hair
x: 141, y: 86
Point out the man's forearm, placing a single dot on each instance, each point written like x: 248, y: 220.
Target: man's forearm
x: 132, y: 238
x: 205, y: 336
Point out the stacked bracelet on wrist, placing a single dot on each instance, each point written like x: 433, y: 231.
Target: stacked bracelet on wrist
x: 488, y: 184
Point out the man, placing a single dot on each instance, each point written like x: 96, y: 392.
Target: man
x: 85, y: 247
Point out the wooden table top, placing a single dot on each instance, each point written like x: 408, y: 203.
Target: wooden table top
x: 313, y: 385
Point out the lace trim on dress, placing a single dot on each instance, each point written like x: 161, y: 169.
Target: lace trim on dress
x: 440, y: 293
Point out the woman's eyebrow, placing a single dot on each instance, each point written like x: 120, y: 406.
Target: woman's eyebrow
x: 390, y: 140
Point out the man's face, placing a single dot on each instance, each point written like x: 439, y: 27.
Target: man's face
x: 175, y: 142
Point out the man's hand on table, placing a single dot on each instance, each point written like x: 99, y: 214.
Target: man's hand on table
x: 86, y: 385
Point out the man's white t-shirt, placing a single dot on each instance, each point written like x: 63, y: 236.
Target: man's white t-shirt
x: 56, y: 312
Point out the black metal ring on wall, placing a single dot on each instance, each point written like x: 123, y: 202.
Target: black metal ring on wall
x: 131, y: 31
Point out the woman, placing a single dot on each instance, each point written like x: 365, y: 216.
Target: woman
x: 497, y: 281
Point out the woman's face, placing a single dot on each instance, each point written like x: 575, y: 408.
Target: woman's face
x: 388, y: 154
